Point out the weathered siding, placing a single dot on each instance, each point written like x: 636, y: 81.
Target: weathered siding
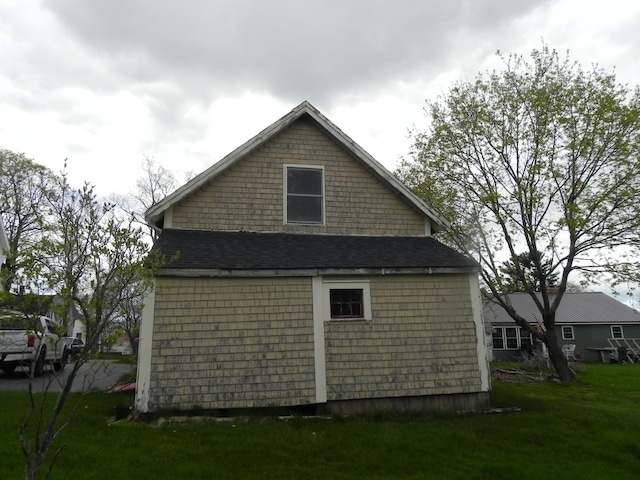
x: 232, y: 343
x: 248, y: 342
x: 421, y: 341
x: 249, y: 195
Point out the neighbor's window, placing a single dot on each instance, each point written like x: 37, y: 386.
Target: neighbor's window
x: 525, y: 337
x: 616, y: 331
x: 567, y: 333
x: 511, y: 334
x: 506, y: 338
x: 346, y: 303
x: 498, y: 339
x: 304, y: 194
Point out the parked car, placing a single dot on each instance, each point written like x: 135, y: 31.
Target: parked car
x: 30, y: 340
x: 73, y: 347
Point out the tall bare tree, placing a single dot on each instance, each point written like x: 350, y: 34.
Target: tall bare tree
x: 156, y: 183
x: 542, y: 156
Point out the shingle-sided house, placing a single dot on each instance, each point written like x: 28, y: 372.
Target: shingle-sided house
x: 593, y: 322
x: 304, y: 274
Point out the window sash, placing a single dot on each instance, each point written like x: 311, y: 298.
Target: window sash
x: 346, y: 303
x: 567, y: 333
x: 616, y: 331
x: 498, y: 341
x: 304, y: 194
x: 345, y: 306
x: 511, y: 338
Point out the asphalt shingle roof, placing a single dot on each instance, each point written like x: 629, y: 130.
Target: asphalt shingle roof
x: 574, y: 309
x: 264, y: 251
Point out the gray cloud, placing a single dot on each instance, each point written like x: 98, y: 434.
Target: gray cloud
x: 291, y: 49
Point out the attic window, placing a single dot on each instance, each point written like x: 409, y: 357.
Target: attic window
x: 304, y: 195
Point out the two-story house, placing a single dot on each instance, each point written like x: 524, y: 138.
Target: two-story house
x: 304, y: 274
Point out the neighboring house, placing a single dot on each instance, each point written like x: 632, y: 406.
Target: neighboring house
x: 121, y: 345
x: 303, y: 273
x: 586, y: 319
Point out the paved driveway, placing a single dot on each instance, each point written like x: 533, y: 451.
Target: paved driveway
x: 95, y: 375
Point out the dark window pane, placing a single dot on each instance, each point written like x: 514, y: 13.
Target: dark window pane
x: 304, y: 209
x: 346, y: 303
x: 304, y: 181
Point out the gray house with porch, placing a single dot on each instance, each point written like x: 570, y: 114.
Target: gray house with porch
x: 595, y: 323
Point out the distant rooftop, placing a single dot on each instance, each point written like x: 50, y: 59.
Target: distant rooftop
x: 587, y: 308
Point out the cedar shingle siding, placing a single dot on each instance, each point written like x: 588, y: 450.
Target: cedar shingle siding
x: 232, y: 343
x: 248, y: 196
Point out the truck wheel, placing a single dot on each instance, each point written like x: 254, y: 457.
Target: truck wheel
x: 38, y: 367
x: 8, y: 368
x: 60, y: 364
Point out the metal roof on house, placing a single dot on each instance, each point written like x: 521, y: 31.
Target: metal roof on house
x: 154, y: 216
x: 199, y: 250
x: 575, y: 309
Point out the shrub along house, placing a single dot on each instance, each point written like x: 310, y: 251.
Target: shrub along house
x: 305, y: 274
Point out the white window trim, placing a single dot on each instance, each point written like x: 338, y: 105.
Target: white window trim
x: 565, y: 337
x: 285, y: 193
x: 328, y: 285
x: 621, y: 331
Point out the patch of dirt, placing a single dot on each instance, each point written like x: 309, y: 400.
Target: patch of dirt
x: 519, y: 376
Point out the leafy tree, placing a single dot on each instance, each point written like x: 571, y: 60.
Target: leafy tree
x: 542, y: 156
x: 24, y: 188
x: 90, y: 256
x: 521, y: 273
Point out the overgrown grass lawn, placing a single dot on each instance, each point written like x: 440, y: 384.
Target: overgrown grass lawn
x: 586, y: 430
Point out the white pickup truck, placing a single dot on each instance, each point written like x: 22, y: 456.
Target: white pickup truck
x: 32, y: 341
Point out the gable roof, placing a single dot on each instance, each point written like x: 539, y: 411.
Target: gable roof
x: 583, y: 308
x: 219, y: 253
x: 155, y: 214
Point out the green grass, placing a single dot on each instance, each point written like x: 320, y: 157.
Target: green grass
x: 586, y: 430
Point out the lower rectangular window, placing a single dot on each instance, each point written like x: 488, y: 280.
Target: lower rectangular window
x: 346, y: 303
x: 347, y: 300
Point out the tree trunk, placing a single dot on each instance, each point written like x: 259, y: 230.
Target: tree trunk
x: 557, y: 358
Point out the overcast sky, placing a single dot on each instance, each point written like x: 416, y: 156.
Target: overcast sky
x: 104, y: 83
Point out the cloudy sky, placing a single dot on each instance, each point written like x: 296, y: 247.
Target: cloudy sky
x: 104, y: 83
